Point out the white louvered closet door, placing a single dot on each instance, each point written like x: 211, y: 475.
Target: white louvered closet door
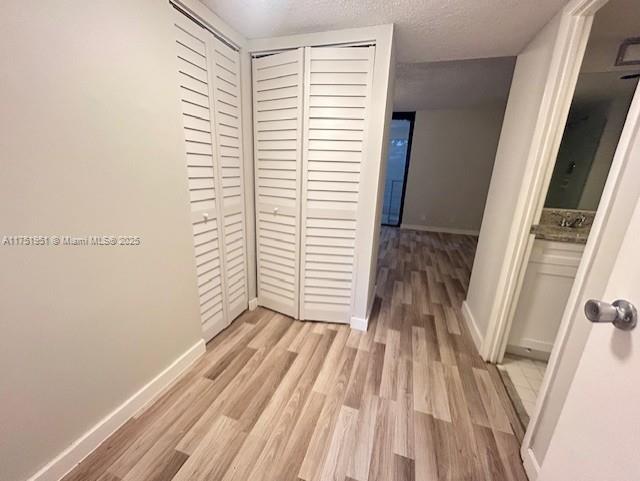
x: 225, y: 65
x: 195, y: 87
x: 277, y: 105
x: 337, y: 95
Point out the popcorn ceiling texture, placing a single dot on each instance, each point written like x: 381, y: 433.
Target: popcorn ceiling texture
x: 456, y: 84
x: 426, y: 30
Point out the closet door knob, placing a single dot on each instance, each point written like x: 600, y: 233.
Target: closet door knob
x: 205, y: 216
x: 275, y: 210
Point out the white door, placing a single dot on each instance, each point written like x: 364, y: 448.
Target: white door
x: 277, y: 105
x: 337, y: 93
x: 225, y: 66
x: 597, y: 434
x: 193, y: 50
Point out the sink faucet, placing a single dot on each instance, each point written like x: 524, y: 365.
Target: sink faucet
x: 573, y: 224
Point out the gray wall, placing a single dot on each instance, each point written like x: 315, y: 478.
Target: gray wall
x: 616, y: 117
x: 452, y: 157
x: 91, y: 144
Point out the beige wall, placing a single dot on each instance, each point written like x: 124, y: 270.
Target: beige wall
x: 521, y: 115
x: 452, y: 156
x: 91, y: 144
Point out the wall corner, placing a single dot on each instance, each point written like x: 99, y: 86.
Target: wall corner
x: 472, y: 325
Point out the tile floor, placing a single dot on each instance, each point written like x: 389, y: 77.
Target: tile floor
x: 526, y: 375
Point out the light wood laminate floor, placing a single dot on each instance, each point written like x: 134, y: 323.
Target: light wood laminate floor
x: 278, y: 399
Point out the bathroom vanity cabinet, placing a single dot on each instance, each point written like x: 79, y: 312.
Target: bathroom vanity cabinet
x: 545, y: 290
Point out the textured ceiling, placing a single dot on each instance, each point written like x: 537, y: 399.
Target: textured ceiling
x: 456, y: 84
x: 426, y: 30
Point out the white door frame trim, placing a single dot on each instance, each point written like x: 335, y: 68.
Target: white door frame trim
x: 568, y: 52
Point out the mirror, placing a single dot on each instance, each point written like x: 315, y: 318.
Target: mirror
x: 598, y: 112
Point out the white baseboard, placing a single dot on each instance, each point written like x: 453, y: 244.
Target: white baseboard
x: 253, y: 304
x: 444, y: 230
x: 531, y: 466
x: 535, y: 350
x: 535, y: 344
x: 89, y: 441
x: 359, y: 324
x: 473, y: 327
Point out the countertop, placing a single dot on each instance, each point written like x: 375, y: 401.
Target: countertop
x: 561, y: 234
x: 550, y: 228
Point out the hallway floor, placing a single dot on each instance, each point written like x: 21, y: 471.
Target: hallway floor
x: 277, y: 399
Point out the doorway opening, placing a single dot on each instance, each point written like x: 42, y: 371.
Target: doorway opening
x: 400, y: 136
x: 598, y: 112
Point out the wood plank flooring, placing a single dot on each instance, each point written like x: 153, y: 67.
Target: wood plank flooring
x: 275, y: 399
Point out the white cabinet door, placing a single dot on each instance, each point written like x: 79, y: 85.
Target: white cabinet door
x: 194, y: 81
x: 337, y: 91
x: 277, y: 105
x: 225, y: 91
x: 545, y: 290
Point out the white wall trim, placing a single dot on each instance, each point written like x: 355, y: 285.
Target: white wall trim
x: 253, y: 304
x: 472, y: 325
x: 359, y: 324
x: 530, y: 464
x: 89, y: 441
x: 532, y: 348
x: 246, y: 98
x: 444, y: 230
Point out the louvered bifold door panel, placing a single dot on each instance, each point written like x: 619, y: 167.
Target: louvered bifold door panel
x: 337, y: 95
x: 277, y: 106
x: 194, y: 81
x: 227, y: 126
